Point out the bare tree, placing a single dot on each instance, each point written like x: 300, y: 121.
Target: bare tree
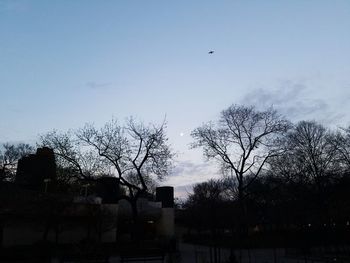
x: 341, y: 140
x: 80, y: 162
x: 139, y: 153
x: 310, y: 163
x: 9, y: 156
x: 242, y: 141
x: 203, y: 205
x: 212, y: 190
x: 310, y: 146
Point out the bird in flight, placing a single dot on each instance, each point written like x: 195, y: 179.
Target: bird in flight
x: 211, y: 52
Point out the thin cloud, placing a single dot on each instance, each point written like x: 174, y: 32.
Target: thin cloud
x: 294, y: 101
x: 13, y: 5
x: 16, y: 110
x: 189, y: 173
x: 189, y: 167
x: 182, y: 191
x: 95, y: 85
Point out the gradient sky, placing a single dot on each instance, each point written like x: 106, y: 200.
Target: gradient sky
x: 65, y: 63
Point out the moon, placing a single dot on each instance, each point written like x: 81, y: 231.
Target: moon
x: 182, y: 134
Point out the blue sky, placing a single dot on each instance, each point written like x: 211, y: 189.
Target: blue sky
x: 65, y: 63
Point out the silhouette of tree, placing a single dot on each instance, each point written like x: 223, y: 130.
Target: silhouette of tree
x: 210, y: 191
x: 74, y: 161
x: 242, y: 141
x: 138, y: 152
x: 205, y: 207
x: 309, y: 167
x: 310, y: 153
x: 151, y: 183
x: 9, y: 156
x: 341, y: 140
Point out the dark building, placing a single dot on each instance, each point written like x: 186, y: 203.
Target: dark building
x: 108, y: 189
x: 165, y: 194
x: 36, y: 170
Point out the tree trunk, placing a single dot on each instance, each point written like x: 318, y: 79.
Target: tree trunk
x: 135, y: 231
x: 242, y: 214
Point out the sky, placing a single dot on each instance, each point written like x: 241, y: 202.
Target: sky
x: 65, y: 63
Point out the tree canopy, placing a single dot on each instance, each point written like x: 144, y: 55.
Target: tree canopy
x: 9, y: 156
x: 242, y: 140
x: 136, y: 153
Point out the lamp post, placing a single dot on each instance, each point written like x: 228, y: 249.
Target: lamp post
x: 86, y: 187
x: 46, y: 181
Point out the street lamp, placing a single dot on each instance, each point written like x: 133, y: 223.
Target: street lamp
x: 46, y: 181
x: 86, y: 187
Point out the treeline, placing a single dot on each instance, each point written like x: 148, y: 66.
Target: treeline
x: 276, y: 174
x: 278, y: 212
x: 135, y: 153
x: 295, y: 190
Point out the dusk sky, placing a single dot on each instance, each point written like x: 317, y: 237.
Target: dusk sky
x: 65, y: 63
